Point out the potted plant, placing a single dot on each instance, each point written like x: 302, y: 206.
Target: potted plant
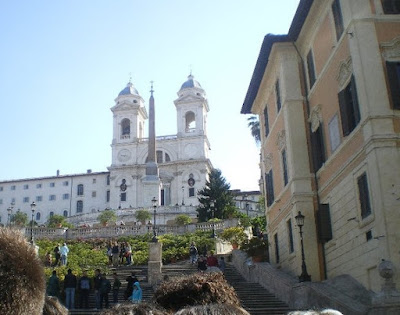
x: 235, y: 235
x: 256, y: 248
x: 107, y: 216
x: 183, y: 219
x: 142, y: 216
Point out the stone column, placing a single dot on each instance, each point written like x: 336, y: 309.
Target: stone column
x: 154, y: 273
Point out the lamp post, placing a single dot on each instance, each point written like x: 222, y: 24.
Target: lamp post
x: 33, y: 208
x: 213, y: 216
x: 154, y: 202
x: 304, y: 275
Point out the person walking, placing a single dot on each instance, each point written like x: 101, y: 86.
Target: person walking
x: 69, y: 288
x: 193, y: 253
x: 115, y: 254
x: 53, y: 286
x: 57, y: 255
x: 136, y: 296
x: 115, y: 288
x: 84, y: 290
x: 105, y: 288
x: 64, y: 250
x: 97, y: 284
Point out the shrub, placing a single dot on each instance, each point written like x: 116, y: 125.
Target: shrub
x: 142, y: 215
x: 107, y: 216
x: 183, y: 219
x: 234, y: 235
x: 57, y: 220
x: 256, y: 247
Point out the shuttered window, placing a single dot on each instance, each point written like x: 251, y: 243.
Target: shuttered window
x: 285, y: 168
x: 278, y: 96
x: 79, y: 206
x: 363, y: 194
x: 277, y: 258
x: 270, y: 188
x: 311, y: 69
x: 338, y: 19
x: 266, y: 122
x: 290, y: 236
x: 349, y: 108
x: 318, y: 148
x: 393, y: 71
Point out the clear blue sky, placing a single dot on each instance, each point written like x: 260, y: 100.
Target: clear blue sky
x: 62, y: 64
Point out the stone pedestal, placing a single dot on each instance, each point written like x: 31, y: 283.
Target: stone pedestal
x: 155, y: 263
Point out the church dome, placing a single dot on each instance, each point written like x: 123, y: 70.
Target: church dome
x: 191, y: 83
x: 129, y: 90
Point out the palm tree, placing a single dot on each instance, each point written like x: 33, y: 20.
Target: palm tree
x: 254, y: 125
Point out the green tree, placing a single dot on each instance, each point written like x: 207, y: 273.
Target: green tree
x: 183, y: 219
x: 57, y: 220
x: 19, y: 218
x: 215, y: 191
x: 142, y: 215
x: 107, y: 216
x: 254, y: 125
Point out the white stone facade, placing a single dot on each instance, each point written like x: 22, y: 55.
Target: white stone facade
x: 182, y: 160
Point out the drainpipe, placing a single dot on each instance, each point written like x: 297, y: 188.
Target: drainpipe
x: 303, y: 74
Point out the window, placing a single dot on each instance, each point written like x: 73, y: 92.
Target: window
x: 108, y: 196
x: 94, y: 181
x: 38, y: 186
x: 13, y: 187
x: 191, y: 192
x: 26, y: 199
x: 266, y: 122
x: 52, y: 184
x: 65, y: 213
x: 52, y: 197
x: 80, y: 190
x: 391, y: 6
x: 167, y: 158
x: 276, y: 248
x: 334, y: 134
x: 13, y: 200
x: 318, y: 148
x: 337, y: 18
x: 311, y: 68
x: 65, y: 196
x: 278, y: 96
x: 93, y: 194
x: 51, y: 213
x: 37, y: 216
x: 126, y: 127
x: 159, y: 156
x: 108, y: 180
x: 79, y: 206
x: 39, y: 198
x: 269, y: 180
x: 285, y: 168
x: 349, y: 110
x: 363, y: 195
x: 26, y: 186
x: 393, y: 72
x: 65, y: 183
x: 290, y: 235
x: 190, y: 122
x: 123, y: 196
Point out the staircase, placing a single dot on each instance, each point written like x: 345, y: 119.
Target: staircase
x: 253, y: 297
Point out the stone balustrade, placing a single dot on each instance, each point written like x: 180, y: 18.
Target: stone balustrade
x: 123, y: 230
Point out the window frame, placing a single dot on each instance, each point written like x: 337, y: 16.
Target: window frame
x: 337, y: 18
x: 311, y: 69
x: 393, y: 76
x: 350, y: 115
x: 269, y: 182
x: 278, y: 96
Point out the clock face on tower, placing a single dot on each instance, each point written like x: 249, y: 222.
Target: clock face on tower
x: 124, y: 155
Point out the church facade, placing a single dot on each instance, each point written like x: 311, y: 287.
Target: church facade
x: 179, y: 164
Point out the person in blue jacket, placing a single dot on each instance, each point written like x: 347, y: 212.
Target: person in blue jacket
x: 136, y: 296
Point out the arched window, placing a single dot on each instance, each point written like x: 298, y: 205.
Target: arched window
x: 65, y: 213
x: 159, y: 156
x: 79, y: 206
x: 190, y: 121
x: 80, y: 190
x: 125, y: 127
x: 37, y: 216
x: 167, y: 158
x: 51, y: 213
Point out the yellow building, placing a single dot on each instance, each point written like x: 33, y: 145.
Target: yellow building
x: 328, y: 98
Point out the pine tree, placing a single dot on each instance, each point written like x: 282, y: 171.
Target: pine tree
x: 216, y: 190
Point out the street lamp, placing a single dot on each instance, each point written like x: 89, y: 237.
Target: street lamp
x: 33, y: 208
x: 213, y: 216
x: 154, y: 202
x: 304, y: 275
